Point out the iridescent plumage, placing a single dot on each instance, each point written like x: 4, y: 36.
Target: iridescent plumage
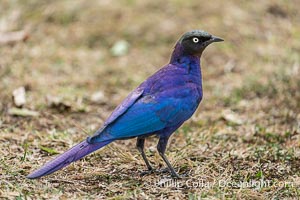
x: 159, y: 106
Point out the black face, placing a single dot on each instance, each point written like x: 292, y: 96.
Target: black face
x: 194, y: 42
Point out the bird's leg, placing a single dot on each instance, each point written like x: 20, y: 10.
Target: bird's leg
x: 140, y: 146
x: 161, y: 147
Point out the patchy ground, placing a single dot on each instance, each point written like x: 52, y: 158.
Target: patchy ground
x: 246, y: 131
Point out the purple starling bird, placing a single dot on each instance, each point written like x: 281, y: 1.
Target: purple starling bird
x: 159, y: 106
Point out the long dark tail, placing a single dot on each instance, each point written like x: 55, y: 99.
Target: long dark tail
x: 75, y: 153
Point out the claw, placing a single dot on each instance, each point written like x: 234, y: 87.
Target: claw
x: 148, y: 172
x: 155, y: 171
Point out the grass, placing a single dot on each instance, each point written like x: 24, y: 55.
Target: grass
x: 254, y: 74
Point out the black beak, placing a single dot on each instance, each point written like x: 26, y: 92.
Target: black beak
x: 216, y: 39
x: 212, y: 40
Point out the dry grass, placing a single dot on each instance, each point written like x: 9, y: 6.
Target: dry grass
x: 255, y: 73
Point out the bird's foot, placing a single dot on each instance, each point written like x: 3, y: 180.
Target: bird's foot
x: 148, y: 172
x: 164, y: 170
x: 160, y: 171
x: 174, y: 174
x: 181, y: 176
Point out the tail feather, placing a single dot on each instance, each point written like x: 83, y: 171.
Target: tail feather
x: 75, y: 153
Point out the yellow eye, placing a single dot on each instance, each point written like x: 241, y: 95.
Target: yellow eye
x: 195, y: 40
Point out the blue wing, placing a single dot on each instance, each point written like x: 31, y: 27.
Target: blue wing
x: 149, y: 114
x: 130, y: 99
x: 138, y: 119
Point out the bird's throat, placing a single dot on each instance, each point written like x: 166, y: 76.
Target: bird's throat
x: 179, y: 56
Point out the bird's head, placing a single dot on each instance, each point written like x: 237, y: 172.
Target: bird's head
x: 194, y: 42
